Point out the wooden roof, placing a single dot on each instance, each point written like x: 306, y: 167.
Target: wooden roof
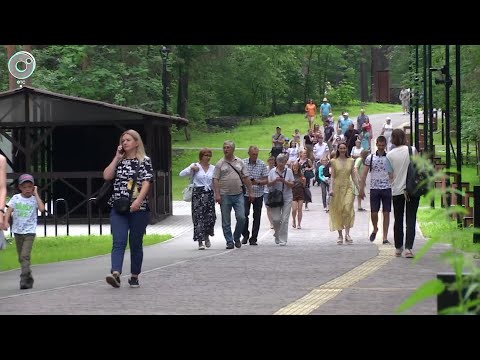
x: 128, y: 113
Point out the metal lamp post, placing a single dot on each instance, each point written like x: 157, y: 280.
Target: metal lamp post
x: 165, y: 53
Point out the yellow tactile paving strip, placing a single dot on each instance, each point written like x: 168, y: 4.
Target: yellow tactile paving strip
x: 329, y: 290
x: 319, y: 296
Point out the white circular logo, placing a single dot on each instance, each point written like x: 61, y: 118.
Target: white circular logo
x: 21, y: 65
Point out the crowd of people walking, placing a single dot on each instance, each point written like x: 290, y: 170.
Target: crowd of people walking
x: 336, y: 156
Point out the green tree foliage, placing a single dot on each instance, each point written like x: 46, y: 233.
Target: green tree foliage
x: 208, y: 81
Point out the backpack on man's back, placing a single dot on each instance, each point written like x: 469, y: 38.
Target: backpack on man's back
x: 419, y: 177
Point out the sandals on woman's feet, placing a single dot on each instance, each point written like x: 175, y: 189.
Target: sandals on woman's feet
x: 348, y: 239
x: 299, y: 227
x: 340, y: 240
x: 293, y: 225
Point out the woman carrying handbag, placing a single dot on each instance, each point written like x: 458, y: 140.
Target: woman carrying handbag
x: 281, y: 178
x: 203, y: 201
x: 132, y: 173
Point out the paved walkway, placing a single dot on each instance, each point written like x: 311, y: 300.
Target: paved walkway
x: 311, y: 275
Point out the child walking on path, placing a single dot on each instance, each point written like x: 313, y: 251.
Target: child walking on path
x: 23, y: 208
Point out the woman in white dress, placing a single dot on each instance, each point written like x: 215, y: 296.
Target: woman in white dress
x: 387, y: 129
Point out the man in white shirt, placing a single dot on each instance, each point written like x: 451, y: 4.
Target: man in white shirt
x: 400, y: 159
x: 320, y: 150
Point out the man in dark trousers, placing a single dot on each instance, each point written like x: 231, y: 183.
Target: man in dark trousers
x: 351, y: 136
x: 258, y: 176
x: 277, y: 142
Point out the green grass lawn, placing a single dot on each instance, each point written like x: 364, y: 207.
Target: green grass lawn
x: 53, y: 249
x: 259, y: 134
x: 436, y: 224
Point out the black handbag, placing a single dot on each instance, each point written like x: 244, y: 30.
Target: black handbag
x: 122, y: 205
x: 275, y: 197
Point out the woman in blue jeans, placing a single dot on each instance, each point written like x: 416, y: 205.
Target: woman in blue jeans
x: 132, y: 173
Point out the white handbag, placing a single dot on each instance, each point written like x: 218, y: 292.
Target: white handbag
x: 188, y: 193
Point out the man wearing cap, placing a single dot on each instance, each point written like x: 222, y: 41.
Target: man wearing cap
x: 344, y: 123
x: 277, y: 142
x: 325, y: 109
x: 361, y: 119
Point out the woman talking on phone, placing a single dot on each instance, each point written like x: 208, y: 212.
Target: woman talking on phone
x: 132, y: 173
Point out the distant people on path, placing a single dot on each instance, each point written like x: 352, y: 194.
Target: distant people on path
x: 298, y: 193
x: 381, y: 177
x: 296, y: 137
x: 229, y: 177
x: 271, y: 165
x: 325, y: 109
x: 404, y: 98
x: 356, y: 150
x: 203, y: 200
x: 387, y: 129
x: 316, y: 133
x: 359, y: 164
x: 324, y: 181
x: 400, y: 159
x: 351, y: 136
x: 367, y: 134
x: 339, y: 138
x: 320, y: 150
x: 342, y: 214
x: 308, y: 143
x: 306, y: 167
x: 132, y: 175
x: 310, y: 113
x: 329, y: 133
x: 361, y: 119
x: 293, y: 152
x: 281, y: 178
x: 344, y: 123
x: 23, y: 209
x: 277, y: 142
x: 259, y: 177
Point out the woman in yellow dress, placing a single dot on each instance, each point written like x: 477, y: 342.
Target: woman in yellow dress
x: 342, y: 214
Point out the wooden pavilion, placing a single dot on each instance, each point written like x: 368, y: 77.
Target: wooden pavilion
x: 65, y: 142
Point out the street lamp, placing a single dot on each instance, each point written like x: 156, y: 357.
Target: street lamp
x: 165, y: 53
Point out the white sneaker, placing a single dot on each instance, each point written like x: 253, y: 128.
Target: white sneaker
x: 283, y: 243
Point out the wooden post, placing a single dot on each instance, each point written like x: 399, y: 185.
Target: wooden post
x: 476, y: 212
